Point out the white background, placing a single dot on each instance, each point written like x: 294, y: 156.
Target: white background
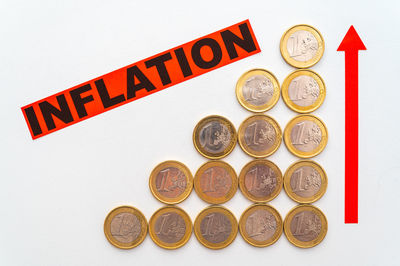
x: 56, y: 191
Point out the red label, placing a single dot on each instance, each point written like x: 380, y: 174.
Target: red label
x: 140, y: 79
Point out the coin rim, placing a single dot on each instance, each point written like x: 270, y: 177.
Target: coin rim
x: 107, y: 227
x: 302, y: 154
x: 228, y: 150
x: 276, y: 144
x: 275, y: 236
x: 242, y: 185
x: 288, y: 174
x: 228, y: 214
x: 305, y: 244
x: 186, y: 219
x: 299, y: 64
x: 180, y: 166
x: 232, y: 174
x: 255, y: 108
x: 303, y: 109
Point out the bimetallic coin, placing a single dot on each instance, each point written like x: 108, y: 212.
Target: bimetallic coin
x: 257, y: 90
x: 170, y: 227
x: 261, y: 225
x: 215, y: 227
x: 260, y: 181
x: 305, y: 181
x: 215, y: 182
x: 303, y: 91
x: 171, y: 182
x: 259, y: 136
x: 125, y: 227
x: 305, y: 136
x: 214, y: 137
x: 305, y: 226
x: 302, y: 46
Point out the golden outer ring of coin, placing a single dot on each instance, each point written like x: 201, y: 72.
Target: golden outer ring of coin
x: 185, y: 193
x: 318, y: 101
x: 289, y: 172
x: 186, y: 219
x: 224, y: 211
x: 210, y: 199
x: 110, y: 217
x: 242, y: 225
x: 247, y: 149
x: 224, y: 121
x: 292, y: 148
x: 292, y: 213
x: 242, y: 184
x: 255, y: 108
x: 312, y: 61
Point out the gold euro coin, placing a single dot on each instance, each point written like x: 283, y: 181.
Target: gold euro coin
x: 305, y: 226
x: 257, y: 90
x: 215, y: 182
x: 214, y: 137
x: 125, y: 227
x: 305, y: 181
x: 171, y: 182
x: 259, y: 136
x: 302, y: 46
x: 303, y: 91
x: 261, y: 225
x: 305, y: 136
x: 260, y: 180
x: 170, y: 227
x: 215, y: 227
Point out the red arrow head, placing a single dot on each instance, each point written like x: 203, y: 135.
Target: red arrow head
x: 351, y: 41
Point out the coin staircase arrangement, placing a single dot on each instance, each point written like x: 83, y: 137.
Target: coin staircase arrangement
x: 260, y: 180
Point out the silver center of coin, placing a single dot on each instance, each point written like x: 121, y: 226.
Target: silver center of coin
x: 260, y: 180
x: 303, y: 90
x: 214, y: 137
x: 302, y: 45
x: 215, y: 227
x: 170, y: 227
x: 261, y: 225
x: 305, y: 181
x: 259, y: 135
x: 125, y: 227
x: 258, y: 90
x: 306, y: 226
x: 306, y: 136
x: 171, y: 182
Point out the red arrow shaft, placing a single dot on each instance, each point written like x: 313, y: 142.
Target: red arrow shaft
x: 351, y: 137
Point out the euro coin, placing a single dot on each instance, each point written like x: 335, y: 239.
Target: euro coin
x: 215, y: 227
x: 305, y: 136
x: 305, y: 226
x: 171, y: 182
x: 260, y: 180
x: 261, y: 225
x: 170, y: 227
x: 302, y: 46
x: 305, y: 181
x: 257, y: 90
x: 215, y: 182
x: 303, y: 91
x: 259, y: 136
x: 214, y: 137
x: 125, y: 227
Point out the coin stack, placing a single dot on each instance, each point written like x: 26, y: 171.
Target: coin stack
x: 260, y: 180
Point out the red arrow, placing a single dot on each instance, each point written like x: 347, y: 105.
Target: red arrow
x: 351, y: 44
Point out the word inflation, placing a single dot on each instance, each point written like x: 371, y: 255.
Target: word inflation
x: 140, y: 79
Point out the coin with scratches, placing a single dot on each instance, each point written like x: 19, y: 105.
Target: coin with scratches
x: 305, y: 226
x: 125, y: 227
x: 171, y: 182
x: 170, y: 227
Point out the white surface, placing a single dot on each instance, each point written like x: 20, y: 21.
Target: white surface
x: 56, y: 191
